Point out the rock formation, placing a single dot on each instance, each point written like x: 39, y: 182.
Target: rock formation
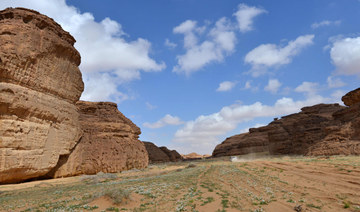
x: 324, y: 129
x: 162, y: 154
x: 194, y: 155
x: 173, y: 155
x: 109, y: 144
x: 40, y: 83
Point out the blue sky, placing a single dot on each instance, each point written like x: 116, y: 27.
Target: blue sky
x: 191, y: 73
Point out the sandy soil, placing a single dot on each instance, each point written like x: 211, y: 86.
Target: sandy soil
x: 278, y: 184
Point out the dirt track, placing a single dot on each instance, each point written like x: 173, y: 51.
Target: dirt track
x: 286, y: 184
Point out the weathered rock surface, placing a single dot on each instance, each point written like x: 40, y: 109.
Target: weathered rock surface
x: 352, y: 97
x: 324, y: 129
x: 39, y: 84
x: 161, y: 154
x: 156, y: 155
x: 173, y: 155
x: 110, y: 143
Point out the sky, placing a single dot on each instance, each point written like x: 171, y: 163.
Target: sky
x: 191, y: 73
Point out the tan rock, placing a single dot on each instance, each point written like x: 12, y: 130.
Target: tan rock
x: 110, y: 143
x: 39, y: 84
x: 352, y: 97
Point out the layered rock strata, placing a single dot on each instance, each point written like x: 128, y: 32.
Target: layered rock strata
x: 39, y: 84
x: 110, y: 143
x: 324, y: 129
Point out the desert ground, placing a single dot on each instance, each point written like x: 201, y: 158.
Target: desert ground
x: 263, y: 184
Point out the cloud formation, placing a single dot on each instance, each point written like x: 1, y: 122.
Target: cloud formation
x: 273, y: 86
x: 325, y: 23
x: 245, y: 16
x: 345, y: 55
x: 102, y: 45
x: 226, y: 86
x: 270, y: 55
x: 220, y: 42
x: 165, y: 121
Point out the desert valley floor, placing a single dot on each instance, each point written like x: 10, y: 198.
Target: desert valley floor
x: 267, y: 184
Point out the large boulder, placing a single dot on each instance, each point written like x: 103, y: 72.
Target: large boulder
x: 110, y: 143
x: 40, y: 83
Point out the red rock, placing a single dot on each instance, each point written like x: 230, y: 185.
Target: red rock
x: 39, y: 84
x: 156, y: 155
x: 323, y: 129
x: 110, y: 143
x: 352, y: 97
x: 173, y: 155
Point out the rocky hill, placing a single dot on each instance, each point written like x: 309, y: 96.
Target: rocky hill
x: 324, y: 129
x: 161, y: 154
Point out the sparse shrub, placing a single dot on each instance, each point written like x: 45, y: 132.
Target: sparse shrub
x: 191, y: 165
x: 346, y: 204
x: 117, y: 195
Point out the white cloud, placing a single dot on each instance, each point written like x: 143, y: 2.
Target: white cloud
x: 102, y: 45
x: 101, y: 87
x: 335, y: 82
x: 202, y: 134
x: 270, y: 55
x: 325, y: 23
x: 226, y: 86
x: 345, y: 55
x: 337, y: 95
x: 309, y: 88
x: 273, y: 86
x: 220, y: 42
x: 150, y: 106
x: 245, y: 16
x: 169, y: 44
x: 165, y: 121
x: 247, y: 84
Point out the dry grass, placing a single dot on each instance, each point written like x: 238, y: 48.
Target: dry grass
x: 270, y: 184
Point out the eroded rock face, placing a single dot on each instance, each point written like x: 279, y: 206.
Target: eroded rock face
x: 161, y: 154
x: 173, y: 155
x: 324, y: 129
x: 256, y: 140
x: 110, y: 143
x: 352, y: 97
x: 39, y: 84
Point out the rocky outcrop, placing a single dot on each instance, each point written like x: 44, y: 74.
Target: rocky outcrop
x: 110, y: 143
x: 324, y: 129
x: 194, y: 155
x: 161, y: 154
x: 156, y: 155
x: 173, y: 155
x: 352, y: 97
x: 256, y: 140
x: 40, y: 83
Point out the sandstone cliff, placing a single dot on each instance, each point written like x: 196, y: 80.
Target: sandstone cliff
x: 109, y: 144
x: 324, y: 129
x: 162, y: 154
x: 39, y: 84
